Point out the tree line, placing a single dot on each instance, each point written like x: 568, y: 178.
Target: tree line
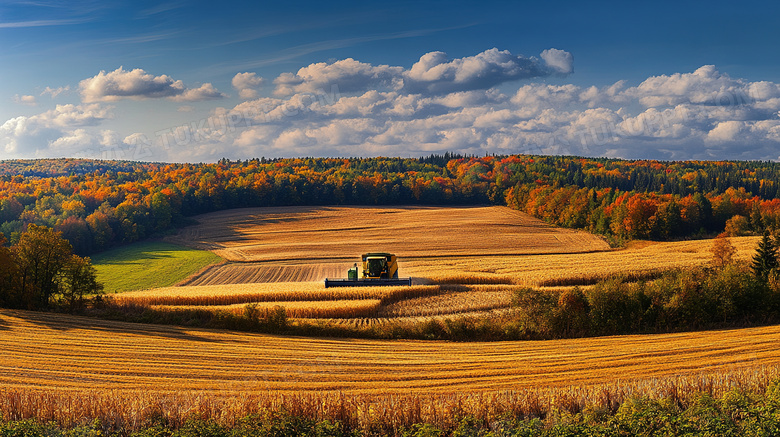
x: 100, y: 204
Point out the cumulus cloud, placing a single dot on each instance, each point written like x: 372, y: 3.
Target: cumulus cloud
x: 434, y: 73
x: 204, y: 92
x: 559, y: 61
x: 348, y: 75
x: 138, y: 84
x: 705, y: 86
x: 25, y: 100
x: 247, y: 84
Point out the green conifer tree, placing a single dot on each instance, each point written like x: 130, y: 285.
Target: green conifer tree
x: 765, y: 259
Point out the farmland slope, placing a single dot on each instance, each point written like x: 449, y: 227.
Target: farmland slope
x: 443, y: 244
x: 292, y: 244
x: 42, y: 350
x: 338, y: 233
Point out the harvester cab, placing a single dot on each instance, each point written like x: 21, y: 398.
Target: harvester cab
x: 379, y: 268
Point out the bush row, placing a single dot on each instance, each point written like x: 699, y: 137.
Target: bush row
x: 691, y: 299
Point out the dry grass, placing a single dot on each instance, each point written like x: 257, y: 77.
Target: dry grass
x: 132, y: 409
x: 323, y: 234
x: 298, y: 309
x: 51, y: 351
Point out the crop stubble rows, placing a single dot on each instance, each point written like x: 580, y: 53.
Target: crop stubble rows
x: 66, y: 352
x: 456, y: 245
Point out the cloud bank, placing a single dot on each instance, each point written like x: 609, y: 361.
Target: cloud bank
x: 57, y: 132
x: 437, y: 104
x: 434, y: 73
x: 704, y: 114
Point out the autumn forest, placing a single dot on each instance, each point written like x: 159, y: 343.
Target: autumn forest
x: 100, y: 204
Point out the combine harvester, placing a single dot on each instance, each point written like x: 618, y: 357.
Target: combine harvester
x: 378, y: 269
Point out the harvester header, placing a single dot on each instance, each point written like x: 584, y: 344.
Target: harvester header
x: 379, y: 268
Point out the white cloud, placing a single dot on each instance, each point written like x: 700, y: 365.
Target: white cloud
x: 138, y: 84
x: 52, y: 133
x: 727, y: 131
x: 348, y: 75
x: 54, y: 92
x: 434, y: 73
x: 247, y: 84
x: 560, y: 61
x: 204, y: 92
x: 25, y: 100
x: 705, y: 86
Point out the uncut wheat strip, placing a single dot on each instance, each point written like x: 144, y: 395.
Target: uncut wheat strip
x: 296, y: 309
x: 270, y: 292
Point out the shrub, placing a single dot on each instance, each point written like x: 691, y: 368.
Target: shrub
x: 615, y: 307
x: 535, y: 311
x: 276, y: 318
x: 572, y: 317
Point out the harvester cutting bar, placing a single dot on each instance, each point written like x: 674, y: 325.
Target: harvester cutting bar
x: 366, y: 282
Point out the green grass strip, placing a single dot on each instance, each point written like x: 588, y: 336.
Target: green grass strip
x: 148, y: 264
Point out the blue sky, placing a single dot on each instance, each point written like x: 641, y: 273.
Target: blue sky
x: 197, y: 81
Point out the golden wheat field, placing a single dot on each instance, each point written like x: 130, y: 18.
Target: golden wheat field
x: 439, y: 244
x: 470, y: 258
x: 318, y: 234
x: 50, y: 351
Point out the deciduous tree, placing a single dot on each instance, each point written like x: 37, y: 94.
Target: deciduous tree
x: 722, y: 251
x: 78, y: 280
x: 41, y: 254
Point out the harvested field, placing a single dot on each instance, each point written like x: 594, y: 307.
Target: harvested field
x: 53, y: 351
x: 252, y: 273
x: 325, y: 234
x: 434, y: 244
x: 282, y: 255
x: 640, y: 260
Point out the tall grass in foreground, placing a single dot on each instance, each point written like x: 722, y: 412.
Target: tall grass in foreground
x: 368, y: 413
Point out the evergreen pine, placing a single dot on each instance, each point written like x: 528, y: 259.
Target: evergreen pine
x: 765, y: 259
